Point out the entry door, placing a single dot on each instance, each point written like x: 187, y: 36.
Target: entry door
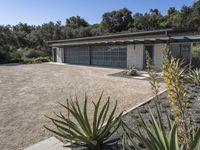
x: 148, y: 49
x: 54, y: 54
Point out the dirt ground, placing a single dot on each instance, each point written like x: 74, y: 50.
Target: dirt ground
x: 28, y: 92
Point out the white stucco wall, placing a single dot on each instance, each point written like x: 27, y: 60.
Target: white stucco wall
x: 59, y: 54
x: 158, y: 55
x: 135, y: 56
x: 62, y: 54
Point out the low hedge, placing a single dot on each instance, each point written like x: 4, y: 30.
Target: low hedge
x: 35, y: 60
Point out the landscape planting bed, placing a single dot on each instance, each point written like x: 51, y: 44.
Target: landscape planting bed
x: 194, y: 108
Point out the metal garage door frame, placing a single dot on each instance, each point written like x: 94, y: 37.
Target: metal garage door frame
x: 109, y: 55
x: 77, y: 55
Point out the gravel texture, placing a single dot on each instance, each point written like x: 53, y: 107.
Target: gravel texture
x: 28, y: 92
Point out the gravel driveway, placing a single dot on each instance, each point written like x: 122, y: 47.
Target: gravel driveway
x: 28, y: 92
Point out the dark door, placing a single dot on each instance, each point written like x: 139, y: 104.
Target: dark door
x: 55, y: 55
x: 150, y: 50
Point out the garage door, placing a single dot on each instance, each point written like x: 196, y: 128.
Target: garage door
x: 77, y: 55
x: 114, y: 56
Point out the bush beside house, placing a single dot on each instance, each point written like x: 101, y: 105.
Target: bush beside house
x: 196, y: 56
x: 26, y: 56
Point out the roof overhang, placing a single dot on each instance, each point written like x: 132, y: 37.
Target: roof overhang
x: 172, y: 39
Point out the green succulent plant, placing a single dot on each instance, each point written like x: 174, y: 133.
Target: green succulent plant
x: 84, y: 133
x: 153, y: 135
x: 195, y: 76
x: 132, y: 71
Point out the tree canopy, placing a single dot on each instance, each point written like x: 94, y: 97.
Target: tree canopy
x: 117, y: 21
x: 16, y: 40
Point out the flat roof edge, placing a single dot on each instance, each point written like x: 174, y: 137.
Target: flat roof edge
x: 173, y: 39
x: 113, y: 35
x: 165, y: 32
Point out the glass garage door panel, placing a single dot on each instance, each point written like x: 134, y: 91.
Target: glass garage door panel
x: 122, y: 56
x: 114, y: 56
x: 97, y: 55
x: 76, y: 55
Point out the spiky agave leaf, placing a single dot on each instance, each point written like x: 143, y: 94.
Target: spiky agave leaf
x: 154, y: 136
x: 87, y: 134
x: 195, y: 144
x: 195, y: 76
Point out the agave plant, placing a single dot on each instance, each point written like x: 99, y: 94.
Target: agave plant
x: 84, y: 133
x: 195, y: 76
x: 153, y: 135
x: 132, y: 71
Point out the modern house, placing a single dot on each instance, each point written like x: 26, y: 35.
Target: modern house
x: 126, y: 49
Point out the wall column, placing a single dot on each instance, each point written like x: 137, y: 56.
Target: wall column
x: 135, y: 55
x: 158, y: 55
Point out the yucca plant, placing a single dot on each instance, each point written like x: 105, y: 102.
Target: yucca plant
x: 91, y: 135
x: 153, y: 76
x: 173, y: 74
x: 153, y: 135
x: 195, y: 76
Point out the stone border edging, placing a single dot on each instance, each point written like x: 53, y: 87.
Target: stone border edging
x: 144, y: 102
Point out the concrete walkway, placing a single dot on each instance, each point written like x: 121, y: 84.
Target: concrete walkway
x: 49, y: 144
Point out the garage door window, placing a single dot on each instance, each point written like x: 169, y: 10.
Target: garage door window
x: 77, y: 55
x: 114, y: 56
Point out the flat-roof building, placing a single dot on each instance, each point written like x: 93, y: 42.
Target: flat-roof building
x: 125, y: 49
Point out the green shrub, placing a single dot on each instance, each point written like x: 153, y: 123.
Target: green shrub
x: 8, y: 58
x: 42, y: 59
x: 132, y: 71
x: 195, y: 76
x: 196, y: 55
x: 34, y: 53
x: 4, y: 55
x: 20, y: 52
x: 35, y: 60
x: 91, y: 135
x: 26, y: 60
